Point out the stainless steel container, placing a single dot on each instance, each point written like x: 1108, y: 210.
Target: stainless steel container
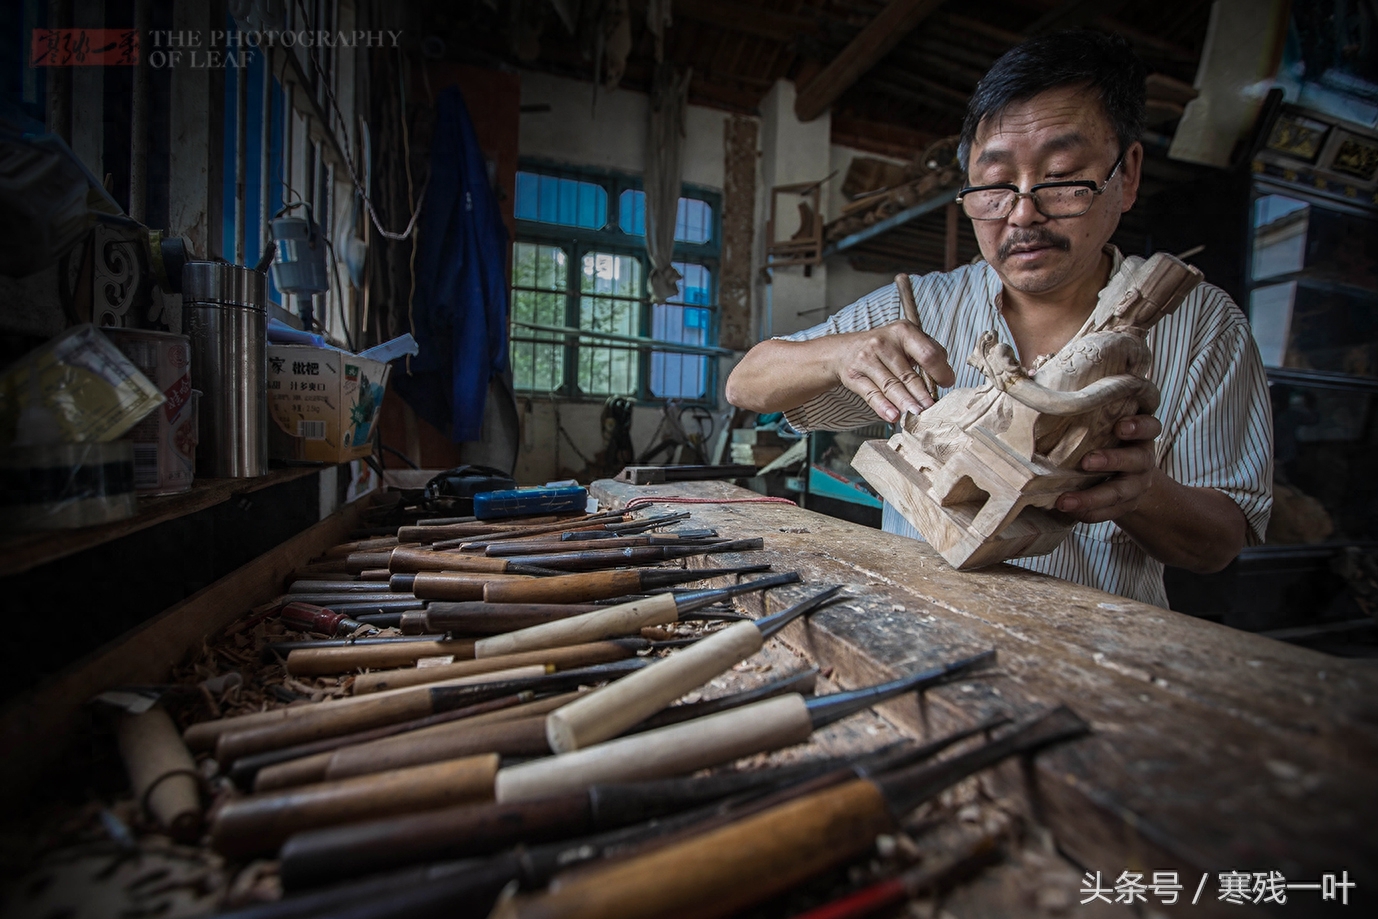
x: 224, y: 313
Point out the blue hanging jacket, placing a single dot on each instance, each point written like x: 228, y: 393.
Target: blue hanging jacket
x: 460, y: 306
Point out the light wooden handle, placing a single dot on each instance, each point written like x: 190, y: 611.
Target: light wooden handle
x: 664, y: 752
x: 722, y: 871
x: 258, y: 824
x: 406, y: 561
x: 623, y: 619
x: 523, y: 737
x: 458, y: 585
x: 161, y: 771
x: 309, y: 769
x: 325, y: 661
x: 334, y: 719
x: 356, y: 562
x: 585, y: 655
x: 610, y: 710
x: 911, y: 314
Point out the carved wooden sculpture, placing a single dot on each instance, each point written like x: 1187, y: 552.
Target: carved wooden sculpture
x: 978, y: 473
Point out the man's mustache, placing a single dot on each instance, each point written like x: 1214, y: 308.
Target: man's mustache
x: 1033, y: 236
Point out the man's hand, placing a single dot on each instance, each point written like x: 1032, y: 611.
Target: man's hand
x: 878, y: 365
x: 1135, y: 464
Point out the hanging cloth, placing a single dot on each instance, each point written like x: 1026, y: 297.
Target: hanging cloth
x: 460, y: 304
x: 664, y: 171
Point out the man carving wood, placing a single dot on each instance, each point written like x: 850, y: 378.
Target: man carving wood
x: 1050, y: 145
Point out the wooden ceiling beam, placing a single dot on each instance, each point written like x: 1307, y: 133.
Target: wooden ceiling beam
x: 740, y: 17
x: 877, y: 39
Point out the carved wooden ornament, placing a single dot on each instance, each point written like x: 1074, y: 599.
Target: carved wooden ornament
x: 978, y: 474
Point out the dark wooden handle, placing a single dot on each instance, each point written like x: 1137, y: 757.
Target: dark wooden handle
x: 719, y: 872
x: 356, y: 562
x: 479, y: 618
x: 258, y: 824
x: 564, y: 588
x: 317, y: 857
x: 458, y: 585
x: 406, y: 561
x: 323, y: 661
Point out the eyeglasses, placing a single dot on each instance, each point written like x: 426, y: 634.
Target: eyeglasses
x: 1052, y: 199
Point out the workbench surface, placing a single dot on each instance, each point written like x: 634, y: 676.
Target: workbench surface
x: 1213, y: 750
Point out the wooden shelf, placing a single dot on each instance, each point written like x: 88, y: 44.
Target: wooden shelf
x: 26, y: 551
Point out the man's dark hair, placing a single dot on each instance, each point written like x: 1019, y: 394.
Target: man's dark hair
x: 1105, y: 64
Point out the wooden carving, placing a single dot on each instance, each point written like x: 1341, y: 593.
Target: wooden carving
x: 978, y: 474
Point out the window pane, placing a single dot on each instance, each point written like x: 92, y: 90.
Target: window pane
x: 539, y: 281
x: 693, y: 219
x: 567, y: 202
x: 1279, y: 235
x: 611, y: 302
x: 682, y: 376
x: 631, y: 212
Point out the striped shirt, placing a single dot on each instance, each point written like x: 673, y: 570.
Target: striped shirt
x: 1215, y: 412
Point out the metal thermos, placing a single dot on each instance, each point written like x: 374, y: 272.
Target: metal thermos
x: 224, y: 313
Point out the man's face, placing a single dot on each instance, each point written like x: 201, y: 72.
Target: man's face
x: 1057, y: 136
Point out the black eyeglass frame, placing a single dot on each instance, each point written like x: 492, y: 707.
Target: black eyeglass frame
x: 1032, y: 193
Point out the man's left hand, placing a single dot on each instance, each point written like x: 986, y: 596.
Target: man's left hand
x: 1134, y: 464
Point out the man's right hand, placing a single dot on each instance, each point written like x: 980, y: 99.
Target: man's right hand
x: 878, y: 365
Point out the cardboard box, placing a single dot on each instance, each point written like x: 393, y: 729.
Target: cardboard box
x: 324, y: 403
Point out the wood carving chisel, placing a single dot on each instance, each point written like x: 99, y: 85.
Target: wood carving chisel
x: 683, y: 748
x: 597, y: 559
x: 623, y: 619
x: 800, y: 838
x: 610, y: 711
x: 578, y: 587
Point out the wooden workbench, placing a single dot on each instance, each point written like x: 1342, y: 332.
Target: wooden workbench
x: 1213, y: 750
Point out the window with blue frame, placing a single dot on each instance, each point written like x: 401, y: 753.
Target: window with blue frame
x: 581, y: 308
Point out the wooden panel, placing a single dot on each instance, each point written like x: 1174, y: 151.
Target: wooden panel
x: 22, y: 553
x: 1214, y: 749
x: 738, y: 231
x: 41, y: 721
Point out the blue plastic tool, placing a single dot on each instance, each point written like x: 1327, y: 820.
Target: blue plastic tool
x: 527, y: 502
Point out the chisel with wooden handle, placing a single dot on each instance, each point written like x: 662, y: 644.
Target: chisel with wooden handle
x: 475, y: 617
x: 344, y: 549
x: 357, y: 713
x: 565, y: 588
x: 609, y: 711
x: 623, y: 619
x: 611, y: 524
x: 706, y: 874
x: 682, y: 748
x: 318, y: 586
x: 325, y: 661
x: 904, y: 286
x: 476, y: 529
x: 246, y: 769
x: 450, y: 741
x: 458, y: 585
x: 598, y: 559
x: 566, y: 658
x: 410, y: 561
x: 258, y: 824
x: 315, y: 857
x: 612, y: 541
x: 447, y: 536
x: 623, y: 820
x: 307, y: 617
